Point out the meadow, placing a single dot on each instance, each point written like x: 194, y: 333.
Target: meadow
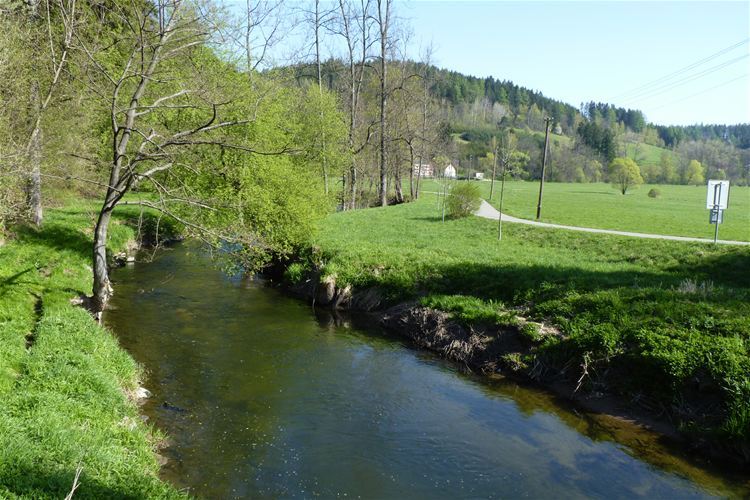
x: 652, y: 318
x: 678, y: 211
x: 63, y: 378
x: 646, y: 154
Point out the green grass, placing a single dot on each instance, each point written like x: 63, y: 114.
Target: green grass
x: 679, y: 211
x: 647, y: 154
x: 62, y: 377
x: 660, y: 318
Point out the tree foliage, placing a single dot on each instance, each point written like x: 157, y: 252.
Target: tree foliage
x: 695, y: 173
x: 624, y: 174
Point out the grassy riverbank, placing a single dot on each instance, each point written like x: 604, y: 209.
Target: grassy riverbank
x: 63, y: 379
x: 666, y: 324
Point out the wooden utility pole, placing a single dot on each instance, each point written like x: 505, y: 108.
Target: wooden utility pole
x: 544, y: 167
x: 493, y: 144
x: 502, y: 193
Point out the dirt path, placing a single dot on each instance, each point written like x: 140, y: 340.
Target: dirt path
x: 489, y: 212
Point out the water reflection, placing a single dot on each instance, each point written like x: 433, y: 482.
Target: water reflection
x: 264, y: 397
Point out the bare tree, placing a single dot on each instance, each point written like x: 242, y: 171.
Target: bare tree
x: 427, y: 132
x: 64, y: 12
x: 354, y: 27
x: 262, y: 30
x: 383, y: 20
x: 152, y: 81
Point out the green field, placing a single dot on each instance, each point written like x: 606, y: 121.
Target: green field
x: 62, y: 377
x: 647, y: 154
x: 652, y: 315
x: 679, y: 211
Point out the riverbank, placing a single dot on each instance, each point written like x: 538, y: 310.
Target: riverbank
x: 68, y: 389
x: 661, y: 327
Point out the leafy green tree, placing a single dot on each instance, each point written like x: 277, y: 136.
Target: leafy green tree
x: 667, y: 169
x: 624, y: 174
x: 233, y: 159
x: 695, y: 173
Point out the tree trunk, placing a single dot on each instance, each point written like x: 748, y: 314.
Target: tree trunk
x: 419, y: 178
x: 320, y: 91
x: 353, y: 183
x: 34, y: 182
x: 494, y: 169
x: 411, y: 172
x: 383, y: 149
x: 34, y: 157
x: 397, y: 185
x: 102, y: 290
x: 383, y: 20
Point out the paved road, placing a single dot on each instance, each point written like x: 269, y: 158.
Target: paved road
x: 489, y: 212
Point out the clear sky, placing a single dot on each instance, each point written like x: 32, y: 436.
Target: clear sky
x: 601, y: 51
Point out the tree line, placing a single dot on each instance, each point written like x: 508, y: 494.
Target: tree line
x: 181, y: 108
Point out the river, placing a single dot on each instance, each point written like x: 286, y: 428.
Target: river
x: 263, y: 397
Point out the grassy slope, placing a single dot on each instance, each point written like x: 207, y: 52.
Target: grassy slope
x: 661, y: 314
x: 648, y: 154
x: 63, y: 401
x: 680, y: 211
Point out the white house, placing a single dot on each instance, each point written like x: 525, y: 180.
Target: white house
x: 450, y: 171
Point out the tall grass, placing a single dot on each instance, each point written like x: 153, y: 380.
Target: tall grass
x: 63, y: 379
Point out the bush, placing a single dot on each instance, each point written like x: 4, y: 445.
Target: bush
x: 654, y: 193
x: 463, y: 200
x: 295, y: 272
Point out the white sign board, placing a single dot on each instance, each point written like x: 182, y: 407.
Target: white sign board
x: 717, y: 194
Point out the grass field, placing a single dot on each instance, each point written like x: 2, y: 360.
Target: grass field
x: 62, y: 377
x: 657, y: 317
x: 679, y: 211
x: 647, y: 154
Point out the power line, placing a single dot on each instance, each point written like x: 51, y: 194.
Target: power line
x: 672, y: 85
x: 682, y: 70
x: 701, y: 92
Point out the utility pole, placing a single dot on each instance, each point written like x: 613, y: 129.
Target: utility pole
x: 502, y: 192
x: 544, y: 167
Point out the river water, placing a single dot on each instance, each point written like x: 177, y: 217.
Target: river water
x: 263, y: 397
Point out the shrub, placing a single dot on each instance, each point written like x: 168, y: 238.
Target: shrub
x: 530, y: 331
x: 463, y: 200
x: 295, y: 272
x: 654, y: 193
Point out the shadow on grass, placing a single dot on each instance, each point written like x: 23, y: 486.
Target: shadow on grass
x: 507, y: 282
x: 7, y: 284
x: 30, y: 482
x: 517, y: 283
x: 613, y: 192
x: 730, y: 269
x: 428, y: 218
x: 65, y: 231
x: 58, y: 237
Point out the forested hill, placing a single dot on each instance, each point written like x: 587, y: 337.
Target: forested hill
x: 491, y: 101
x: 462, y: 90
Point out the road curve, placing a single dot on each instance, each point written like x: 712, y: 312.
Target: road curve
x: 487, y: 211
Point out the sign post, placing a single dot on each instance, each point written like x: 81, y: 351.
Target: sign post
x: 717, y: 200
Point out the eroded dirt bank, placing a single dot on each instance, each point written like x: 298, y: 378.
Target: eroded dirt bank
x: 513, y: 351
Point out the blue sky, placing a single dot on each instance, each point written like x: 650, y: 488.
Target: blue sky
x: 602, y: 51
x: 579, y: 51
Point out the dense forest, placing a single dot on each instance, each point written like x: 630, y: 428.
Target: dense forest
x: 466, y: 112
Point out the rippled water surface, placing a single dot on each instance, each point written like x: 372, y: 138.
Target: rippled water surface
x: 262, y: 398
